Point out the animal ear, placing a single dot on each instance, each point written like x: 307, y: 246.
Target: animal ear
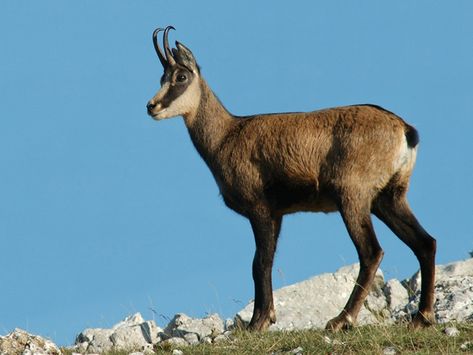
x: 185, y: 57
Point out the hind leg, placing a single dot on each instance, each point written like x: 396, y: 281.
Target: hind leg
x: 394, y: 211
x: 358, y: 222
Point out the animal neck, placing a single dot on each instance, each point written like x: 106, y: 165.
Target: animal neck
x: 209, y: 124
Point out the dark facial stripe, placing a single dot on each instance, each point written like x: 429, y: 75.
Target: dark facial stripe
x: 176, y: 88
x: 172, y: 94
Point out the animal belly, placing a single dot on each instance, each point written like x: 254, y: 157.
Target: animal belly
x: 290, y: 198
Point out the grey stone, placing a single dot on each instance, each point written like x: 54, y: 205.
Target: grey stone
x: 177, y: 352
x: 206, y: 340
x: 20, y: 341
x: 131, y: 333
x: 312, y: 303
x: 442, y: 273
x: 129, y: 338
x: 151, y: 331
x: 376, y: 302
x: 332, y: 342
x: 413, y: 284
x: 467, y: 345
x: 175, y: 341
x: 191, y: 338
x: 182, y: 324
x: 390, y: 350
x: 297, y: 350
x: 220, y: 338
x: 451, y: 331
x: 229, y: 324
x: 134, y: 319
x: 457, y: 268
x: 88, y: 335
x: 396, y: 294
x: 453, y: 300
x: 95, y: 340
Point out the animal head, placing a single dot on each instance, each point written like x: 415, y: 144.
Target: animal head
x: 179, y: 94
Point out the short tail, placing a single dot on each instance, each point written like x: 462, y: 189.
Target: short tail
x: 412, y: 136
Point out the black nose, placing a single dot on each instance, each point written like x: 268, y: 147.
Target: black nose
x: 150, y: 106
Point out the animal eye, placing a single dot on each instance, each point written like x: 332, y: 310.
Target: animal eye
x: 181, y: 77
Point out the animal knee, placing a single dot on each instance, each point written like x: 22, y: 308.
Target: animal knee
x: 432, y: 245
x: 428, y: 248
x: 378, y: 255
x: 372, y: 258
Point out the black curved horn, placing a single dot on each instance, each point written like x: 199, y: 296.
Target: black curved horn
x: 159, y: 52
x: 169, y: 56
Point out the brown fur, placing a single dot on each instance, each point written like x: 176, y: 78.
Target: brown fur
x: 355, y: 160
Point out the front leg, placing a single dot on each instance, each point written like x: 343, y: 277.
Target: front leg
x: 266, y: 230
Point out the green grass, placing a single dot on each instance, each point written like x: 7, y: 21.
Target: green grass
x: 360, y: 340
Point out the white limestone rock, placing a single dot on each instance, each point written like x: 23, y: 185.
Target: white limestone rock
x: 451, y: 331
x: 134, y: 319
x: 453, y: 292
x: 151, y: 331
x: 313, y: 302
x: 390, y: 350
x: 20, y: 341
x: 442, y: 273
x: 174, y: 341
x: 133, y: 333
x: 129, y: 338
x: 454, y: 299
x: 96, y: 340
x: 181, y: 324
x: 396, y: 294
x: 191, y: 338
x: 221, y: 338
x: 229, y: 324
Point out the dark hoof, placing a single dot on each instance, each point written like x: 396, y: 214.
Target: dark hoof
x: 259, y: 326
x: 422, y: 320
x: 340, y: 322
x: 261, y: 321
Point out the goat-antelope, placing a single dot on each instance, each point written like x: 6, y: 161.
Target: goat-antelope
x: 355, y: 159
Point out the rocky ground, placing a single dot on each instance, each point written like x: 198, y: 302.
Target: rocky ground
x: 307, y: 304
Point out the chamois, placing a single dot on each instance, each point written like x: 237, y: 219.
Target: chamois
x: 354, y: 159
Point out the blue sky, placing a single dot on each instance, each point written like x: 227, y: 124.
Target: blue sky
x: 104, y: 212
